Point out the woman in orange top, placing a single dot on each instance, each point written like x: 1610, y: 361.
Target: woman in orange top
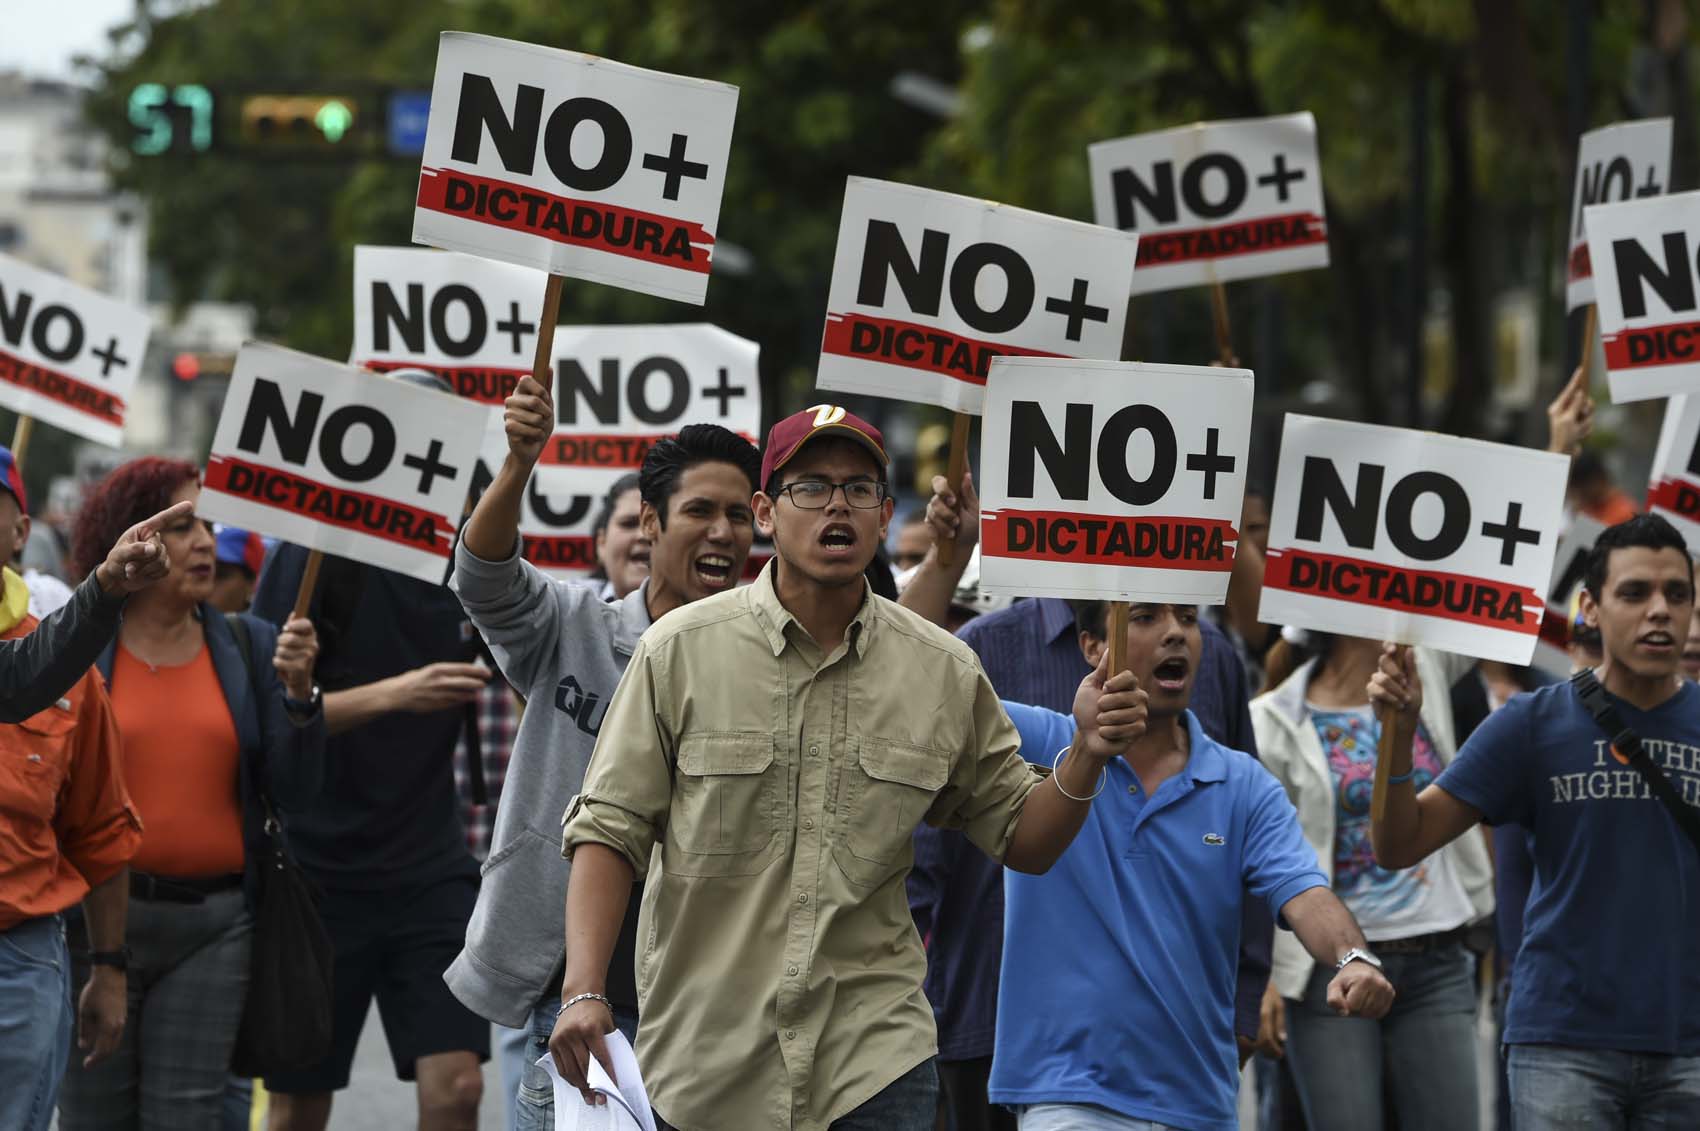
x: 201, y: 722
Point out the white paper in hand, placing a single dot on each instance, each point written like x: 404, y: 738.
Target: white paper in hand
x: 627, y: 1108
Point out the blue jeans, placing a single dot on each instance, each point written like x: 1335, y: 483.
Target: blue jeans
x: 908, y: 1103
x: 534, y: 1107
x: 1554, y: 1088
x: 1427, y: 1044
x: 1082, y: 1117
x: 35, y: 1021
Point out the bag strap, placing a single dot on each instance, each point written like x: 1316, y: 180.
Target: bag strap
x: 245, y: 648
x: 1627, y: 744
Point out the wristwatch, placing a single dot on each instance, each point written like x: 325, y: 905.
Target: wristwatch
x: 119, y: 958
x: 303, y: 706
x: 1357, y: 954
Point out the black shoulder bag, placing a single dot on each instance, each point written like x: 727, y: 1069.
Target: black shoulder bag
x: 1627, y: 743
x: 286, y: 1022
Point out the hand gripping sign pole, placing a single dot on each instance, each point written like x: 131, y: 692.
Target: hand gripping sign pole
x: 955, y: 467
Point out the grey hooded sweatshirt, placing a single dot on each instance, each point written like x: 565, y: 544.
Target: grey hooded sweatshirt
x: 565, y: 650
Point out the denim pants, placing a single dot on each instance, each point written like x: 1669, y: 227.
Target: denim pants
x: 35, y: 1021
x: 1423, y: 1052
x: 188, y: 981
x: 1554, y: 1088
x: 534, y: 1107
x: 908, y: 1103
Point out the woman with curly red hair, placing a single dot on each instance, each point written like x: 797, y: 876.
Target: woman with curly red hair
x: 208, y: 708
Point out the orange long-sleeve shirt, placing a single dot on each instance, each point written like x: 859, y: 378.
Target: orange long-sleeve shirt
x: 66, y: 822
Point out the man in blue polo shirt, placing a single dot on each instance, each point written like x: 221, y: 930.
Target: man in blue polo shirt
x: 1116, y: 1001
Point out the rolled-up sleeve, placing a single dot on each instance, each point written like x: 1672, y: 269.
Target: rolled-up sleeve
x: 97, y: 826
x: 629, y: 785
x: 989, y: 784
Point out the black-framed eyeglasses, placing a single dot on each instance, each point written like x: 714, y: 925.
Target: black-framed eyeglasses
x: 816, y: 494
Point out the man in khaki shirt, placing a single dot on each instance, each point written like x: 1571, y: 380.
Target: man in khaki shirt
x: 774, y: 748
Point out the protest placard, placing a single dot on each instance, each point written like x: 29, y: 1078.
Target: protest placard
x: 1643, y: 256
x: 1113, y: 480
x: 1674, y: 489
x: 1369, y: 537
x: 618, y: 389
x: 1625, y: 161
x: 928, y: 287
x: 1569, y: 564
x: 470, y: 320
x: 574, y: 164
x: 343, y: 461
x: 68, y: 355
x: 1215, y: 201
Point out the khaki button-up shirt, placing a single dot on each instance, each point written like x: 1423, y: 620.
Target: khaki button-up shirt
x: 779, y: 972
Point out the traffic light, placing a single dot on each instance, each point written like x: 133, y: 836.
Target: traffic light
x: 300, y: 121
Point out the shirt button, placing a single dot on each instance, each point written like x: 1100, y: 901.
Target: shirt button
x: 814, y: 751
x: 791, y: 970
x: 804, y: 898
x: 808, y: 822
x: 790, y: 1034
x: 1133, y: 789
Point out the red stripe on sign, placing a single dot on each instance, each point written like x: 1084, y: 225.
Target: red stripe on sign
x: 1555, y: 628
x: 333, y: 506
x: 1653, y: 345
x: 1580, y: 266
x: 567, y: 449
x: 1676, y: 496
x: 56, y: 386
x: 561, y: 551
x: 1155, y: 543
x: 1248, y: 237
x: 1452, y: 596
x: 916, y: 347
x: 580, y: 223
x: 482, y: 383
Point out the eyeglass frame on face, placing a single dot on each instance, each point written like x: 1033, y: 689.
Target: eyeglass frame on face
x: 882, y: 492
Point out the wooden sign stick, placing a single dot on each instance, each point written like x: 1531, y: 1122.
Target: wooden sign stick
x: 1589, y: 328
x: 542, y: 362
x: 1387, y: 717
x: 954, y: 467
x: 1118, y: 636
x: 1224, y: 333
x: 21, y: 439
x: 309, y: 582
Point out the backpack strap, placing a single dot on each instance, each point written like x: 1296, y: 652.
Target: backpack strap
x: 1627, y: 745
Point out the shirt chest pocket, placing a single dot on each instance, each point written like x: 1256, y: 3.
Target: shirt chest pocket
x: 34, y: 762
x: 725, y: 814
x: 887, y: 789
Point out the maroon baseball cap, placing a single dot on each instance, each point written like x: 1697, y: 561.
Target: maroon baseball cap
x: 788, y: 436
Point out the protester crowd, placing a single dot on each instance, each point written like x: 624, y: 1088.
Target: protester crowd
x: 744, y: 825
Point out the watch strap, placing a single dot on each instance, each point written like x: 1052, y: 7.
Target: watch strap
x: 119, y: 958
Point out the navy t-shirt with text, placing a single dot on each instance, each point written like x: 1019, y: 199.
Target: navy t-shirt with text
x: 1611, y: 944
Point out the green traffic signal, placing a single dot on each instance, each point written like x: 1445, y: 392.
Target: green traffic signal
x: 333, y: 120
